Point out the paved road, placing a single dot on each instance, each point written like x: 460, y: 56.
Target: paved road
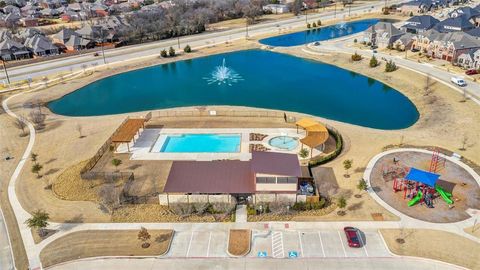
x: 394, y: 263
x: 200, y: 40
x: 6, y: 260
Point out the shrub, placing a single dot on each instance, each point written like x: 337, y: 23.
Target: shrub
x: 308, y: 25
x: 411, y: 14
x: 187, y: 49
x: 163, y: 53
x: 341, y: 202
x: 314, y: 24
x: 251, y: 210
x: 171, y: 52
x: 362, y: 185
x: 303, y: 153
x: 319, y: 22
x: 373, y: 62
x: 390, y: 66
x: 355, y: 41
x: 299, y: 206
x: 356, y: 57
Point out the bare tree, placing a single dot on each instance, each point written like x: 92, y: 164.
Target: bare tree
x: 109, y: 197
x: 20, y: 124
x: 427, y: 89
x: 464, y: 142
x: 37, y: 118
x: 79, y: 130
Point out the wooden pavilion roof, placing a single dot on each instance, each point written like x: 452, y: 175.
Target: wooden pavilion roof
x: 317, y: 134
x: 128, y: 130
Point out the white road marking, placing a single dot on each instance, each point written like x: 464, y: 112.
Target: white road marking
x: 208, y: 247
x: 277, y: 245
x: 321, y: 244
x: 363, y: 245
x: 301, y: 245
x: 341, y: 241
x: 189, y: 244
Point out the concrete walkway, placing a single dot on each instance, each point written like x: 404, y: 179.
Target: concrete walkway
x: 241, y: 214
x: 6, y: 257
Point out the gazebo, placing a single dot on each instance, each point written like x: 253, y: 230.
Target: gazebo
x: 317, y: 133
x: 127, y: 131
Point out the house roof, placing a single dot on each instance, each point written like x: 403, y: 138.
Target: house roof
x: 226, y: 176
x: 65, y: 34
x: 384, y: 27
x: 470, y: 53
x: 423, y: 22
x: 276, y: 164
x: 75, y: 41
x: 39, y: 43
x: 8, y: 44
x: 454, y: 24
x: 475, y: 32
x: 467, y: 12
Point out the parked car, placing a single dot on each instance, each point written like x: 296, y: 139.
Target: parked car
x: 458, y: 81
x: 471, y: 72
x: 353, y: 237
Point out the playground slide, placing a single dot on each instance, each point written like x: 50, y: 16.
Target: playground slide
x: 415, y: 199
x: 445, y: 195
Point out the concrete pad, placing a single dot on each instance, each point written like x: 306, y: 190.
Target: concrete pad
x: 332, y: 244
x: 374, y: 245
x: 180, y: 244
x: 261, y: 242
x: 218, y: 244
x: 198, y: 247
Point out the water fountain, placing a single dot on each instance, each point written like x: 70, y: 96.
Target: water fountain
x: 223, y: 75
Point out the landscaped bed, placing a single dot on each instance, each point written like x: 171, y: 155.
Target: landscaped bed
x: 239, y: 242
x: 432, y: 244
x: 104, y: 243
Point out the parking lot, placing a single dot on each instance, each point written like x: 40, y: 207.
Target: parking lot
x: 279, y: 244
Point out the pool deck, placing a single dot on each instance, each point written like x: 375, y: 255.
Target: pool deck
x: 141, y: 148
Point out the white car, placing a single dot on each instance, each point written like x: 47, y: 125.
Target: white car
x: 458, y: 81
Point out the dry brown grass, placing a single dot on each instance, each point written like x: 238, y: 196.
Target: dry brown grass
x: 433, y: 244
x: 239, y: 242
x: 104, y: 243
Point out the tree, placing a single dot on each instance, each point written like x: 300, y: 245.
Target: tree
x: 356, y: 57
x: 362, y: 185
x: 252, y: 10
x: 116, y: 162
x: 20, y: 124
x: 38, y: 221
x: 464, y: 142
x: 308, y: 25
x: 303, y: 153
x: 427, y: 90
x: 373, y: 62
x: 314, y: 24
x: 109, y: 197
x: 296, y: 7
x: 144, y: 236
x: 33, y: 157
x: 187, y: 49
x: 171, y: 52
x: 390, y: 66
x: 36, y: 168
x: 38, y: 118
x: 163, y: 53
x: 79, y: 130
x: 341, y: 203
x: 347, y: 164
x: 319, y: 22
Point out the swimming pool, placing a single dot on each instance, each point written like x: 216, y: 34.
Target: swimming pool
x: 284, y: 142
x: 198, y: 143
x: 320, y: 34
x: 264, y: 79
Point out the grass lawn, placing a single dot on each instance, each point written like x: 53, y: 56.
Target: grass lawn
x: 104, y: 243
x: 433, y: 244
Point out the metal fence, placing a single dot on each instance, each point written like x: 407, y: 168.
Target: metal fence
x: 214, y: 113
x: 109, y: 176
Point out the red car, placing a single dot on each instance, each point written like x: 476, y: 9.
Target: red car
x: 471, y: 72
x: 353, y: 237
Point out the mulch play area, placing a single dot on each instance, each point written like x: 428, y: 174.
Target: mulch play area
x: 454, y: 180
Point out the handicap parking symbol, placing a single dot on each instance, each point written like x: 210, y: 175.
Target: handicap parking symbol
x: 262, y: 254
x: 292, y: 254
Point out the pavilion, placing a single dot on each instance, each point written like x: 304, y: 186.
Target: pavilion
x: 317, y: 133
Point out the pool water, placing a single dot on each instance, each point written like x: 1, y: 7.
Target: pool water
x: 319, y: 34
x: 284, y: 142
x: 201, y: 143
x: 269, y: 80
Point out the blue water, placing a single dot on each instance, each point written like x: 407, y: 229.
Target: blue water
x: 319, y: 34
x: 202, y: 143
x: 284, y: 142
x: 268, y: 80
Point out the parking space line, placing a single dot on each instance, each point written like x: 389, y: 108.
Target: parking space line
x: 189, y: 244
x: 321, y: 244
x: 209, y: 240
x: 301, y: 245
x: 363, y: 245
x: 277, y: 245
x: 341, y: 241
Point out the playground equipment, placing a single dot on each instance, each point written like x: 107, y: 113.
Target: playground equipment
x: 447, y: 196
x: 437, y: 163
x: 415, y: 199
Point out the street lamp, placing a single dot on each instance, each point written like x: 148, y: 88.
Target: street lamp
x: 246, y: 28
x: 102, y: 33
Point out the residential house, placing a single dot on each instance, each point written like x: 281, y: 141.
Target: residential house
x: 419, y: 24
x: 466, y: 60
x: 5, y: 34
x: 64, y: 35
x: 29, y: 22
x: 11, y: 9
x: 382, y: 34
x: 446, y: 46
x: 76, y: 43
x: 404, y: 42
x: 454, y: 24
x: 467, y: 12
x: 49, y: 13
x: 70, y: 15
x: 276, y: 8
x: 27, y: 33
x: 9, y: 20
x: 12, y: 50
x: 41, y: 46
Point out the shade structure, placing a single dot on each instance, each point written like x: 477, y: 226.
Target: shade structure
x: 424, y: 177
x: 317, y: 134
x: 128, y: 130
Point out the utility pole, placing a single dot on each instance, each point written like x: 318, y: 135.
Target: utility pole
x: 6, y: 72
x: 246, y: 28
x: 103, y: 50
x: 306, y: 15
x: 178, y: 41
